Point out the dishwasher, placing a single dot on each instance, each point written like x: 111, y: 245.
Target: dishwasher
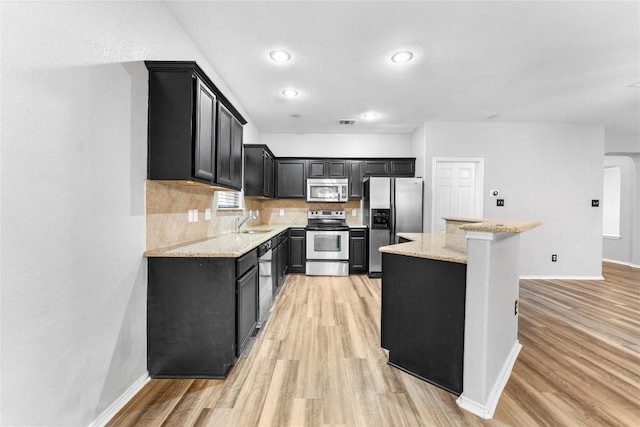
x: 265, y: 288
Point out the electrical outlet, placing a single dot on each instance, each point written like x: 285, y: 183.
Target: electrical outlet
x: 281, y: 212
x: 500, y: 202
x: 190, y: 215
x: 595, y: 203
x: 195, y: 215
x: 353, y: 212
x: 516, y: 307
x: 554, y: 258
x: 207, y: 214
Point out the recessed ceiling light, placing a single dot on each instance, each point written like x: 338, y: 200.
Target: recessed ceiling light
x: 371, y: 115
x: 279, y: 56
x: 290, y: 93
x: 402, y: 56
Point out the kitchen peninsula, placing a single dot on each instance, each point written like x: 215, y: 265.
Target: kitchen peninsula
x: 450, y: 305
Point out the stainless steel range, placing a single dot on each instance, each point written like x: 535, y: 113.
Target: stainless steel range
x: 327, y: 243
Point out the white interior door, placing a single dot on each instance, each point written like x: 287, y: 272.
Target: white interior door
x: 457, y: 190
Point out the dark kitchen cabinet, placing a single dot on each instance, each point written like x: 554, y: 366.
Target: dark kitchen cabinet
x: 191, y: 317
x: 229, y: 150
x: 376, y: 167
x: 402, y: 167
x: 247, y: 312
x: 259, y: 168
x: 355, y: 180
x: 200, y: 313
x: 422, y: 318
x: 184, y: 142
x: 205, y: 142
x: 328, y: 168
x: 297, y: 250
x: 279, y: 260
x: 358, y: 250
x: 291, y: 179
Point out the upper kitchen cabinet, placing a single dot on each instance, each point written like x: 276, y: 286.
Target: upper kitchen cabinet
x: 194, y: 133
x: 390, y: 167
x: 259, y: 171
x: 292, y: 178
x: 319, y: 168
x: 355, y: 180
x: 402, y: 167
x: 229, y: 150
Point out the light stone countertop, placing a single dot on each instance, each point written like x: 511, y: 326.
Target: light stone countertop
x: 426, y: 245
x: 502, y: 225
x: 227, y: 245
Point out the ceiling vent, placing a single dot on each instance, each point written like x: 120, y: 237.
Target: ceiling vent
x: 347, y: 122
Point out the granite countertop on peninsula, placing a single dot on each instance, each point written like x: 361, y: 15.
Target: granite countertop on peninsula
x: 434, y: 246
x: 426, y: 245
x: 502, y: 225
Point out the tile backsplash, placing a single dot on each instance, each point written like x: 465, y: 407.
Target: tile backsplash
x: 167, y: 218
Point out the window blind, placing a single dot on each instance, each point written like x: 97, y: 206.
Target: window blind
x: 229, y: 200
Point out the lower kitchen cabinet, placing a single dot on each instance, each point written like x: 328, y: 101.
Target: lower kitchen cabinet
x: 200, y: 313
x: 422, y: 318
x: 297, y: 250
x: 279, y: 260
x: 247, y: 307
x: 358, y: 250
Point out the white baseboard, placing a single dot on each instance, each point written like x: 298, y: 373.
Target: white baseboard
x: 561, y: 278
x: 628, y: 264
x: 487, y: 409
x: 119, y: 403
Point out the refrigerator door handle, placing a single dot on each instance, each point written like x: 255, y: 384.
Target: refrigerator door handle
x: 393, y: 212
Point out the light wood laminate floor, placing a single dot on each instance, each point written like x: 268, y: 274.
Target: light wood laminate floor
x: 319, y: 362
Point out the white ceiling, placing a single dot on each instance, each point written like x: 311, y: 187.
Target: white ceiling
x: 545, y: 61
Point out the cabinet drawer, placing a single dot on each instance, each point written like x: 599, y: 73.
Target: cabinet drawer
x: 297, y: 232
x: 358, y: 232
x: 245, y: 262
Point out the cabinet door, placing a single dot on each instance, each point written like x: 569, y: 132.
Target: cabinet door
x: 376, y: 168
x: 297, y: 250
x: 291, y: 180
x: 403, y: 167
x: 358, y: 251
x: 318, y: 169
x: 205, y: 155
x: 247, y: 310
x: 338, y: 168
x: 355, y: 179
x: 268, y: 176
x: 283, y: 259
x: 223, y: 171
x: 236, y: 154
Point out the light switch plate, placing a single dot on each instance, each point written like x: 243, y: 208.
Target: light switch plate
x: 195, y: 215
x: 281, y: 212
x: 190, y: 215
x: 207, y: 214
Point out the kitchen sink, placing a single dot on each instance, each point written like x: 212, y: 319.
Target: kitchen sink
x: 255, y: 231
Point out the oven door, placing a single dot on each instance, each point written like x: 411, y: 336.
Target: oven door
x: 327, y: 244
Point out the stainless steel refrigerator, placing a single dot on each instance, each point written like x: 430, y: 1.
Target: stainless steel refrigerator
x: 390, y: 206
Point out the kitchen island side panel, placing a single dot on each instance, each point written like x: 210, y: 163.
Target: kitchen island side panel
x: 422, y: 322
x: 191, y: 317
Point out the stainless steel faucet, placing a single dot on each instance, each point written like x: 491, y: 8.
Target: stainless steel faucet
x: 240, y: 221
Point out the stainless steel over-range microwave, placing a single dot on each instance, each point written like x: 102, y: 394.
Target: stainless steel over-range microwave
x: 327, y: 190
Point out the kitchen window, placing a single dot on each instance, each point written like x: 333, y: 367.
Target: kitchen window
x: 229, y: 200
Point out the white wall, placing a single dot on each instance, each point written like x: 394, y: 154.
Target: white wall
x: 73, y: 279
x: 338, y: 145
x: 545, y: 172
